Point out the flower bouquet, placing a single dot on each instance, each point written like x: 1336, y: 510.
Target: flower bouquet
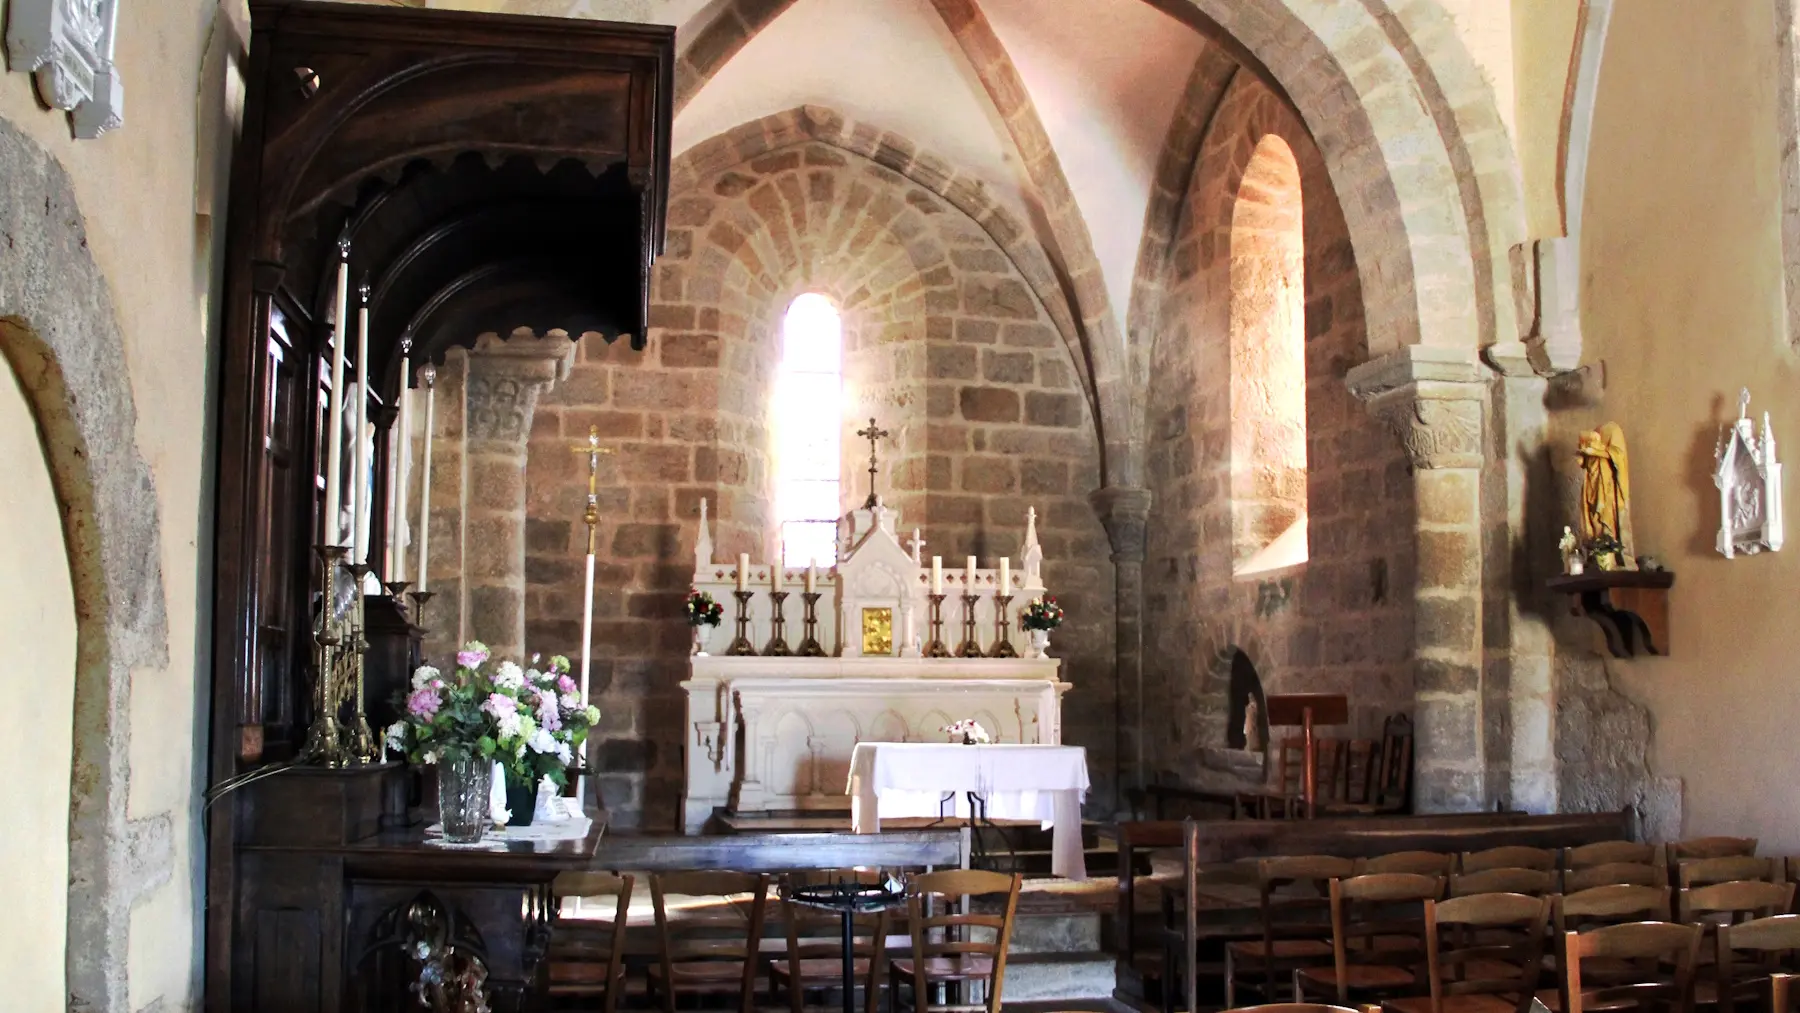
x: 968, y: 731
x: 1039, y: 618
x: 531, y: 722
x: 704, y: 615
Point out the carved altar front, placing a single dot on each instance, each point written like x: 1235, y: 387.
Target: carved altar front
x: 774, y: 732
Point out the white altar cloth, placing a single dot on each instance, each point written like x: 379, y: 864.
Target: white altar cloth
x: 901, y: 780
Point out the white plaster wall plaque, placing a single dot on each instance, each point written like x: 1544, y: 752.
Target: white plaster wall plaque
x: 67, y: 46
x: 1748, y: 475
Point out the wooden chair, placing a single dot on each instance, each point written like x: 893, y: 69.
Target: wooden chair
x: 1530, y: 882
x: 1610, y: 905
x: 1490, y: 959
x: 1377, y: 937
x: 1287, y: 800
x: 1776, y: 943
x: 587, y: 955
x: 1235, y: 878
x: 1615, y: 874
x: 1419, y: 863
x: 945, y: 949
x: 1712, y: 847
x: 711, y: 947
x: 814, y: 960
x: 1512, y: 856
x: 1588, y: 856
x: 1726, y: 869
x: 1294, y: 909
x: 1390, y: 785
x: 1741, y: 900
x: 1608, y: 967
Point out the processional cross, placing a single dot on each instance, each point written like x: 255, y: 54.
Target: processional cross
x: 593, y: 450
x: 873, y: 434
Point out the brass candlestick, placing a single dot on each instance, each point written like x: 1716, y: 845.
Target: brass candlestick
x: 809, y: 647
x: 362, y: 745
x: 325, y: 737
x: 778, y: 647
x: 936, y: 648
x: 1003, y: 647
x: 971, y: 648
x: 741, y: 646
x: 397, y: 591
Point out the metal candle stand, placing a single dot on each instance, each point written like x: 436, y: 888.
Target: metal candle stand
x: 971, y: 648
x: 362, y: 737
x: 1003, y: 647
x: 741, y: 646
x: 778, y: 647
x: 809, y: 647
x: 339, y: 644
x: 936, y: 648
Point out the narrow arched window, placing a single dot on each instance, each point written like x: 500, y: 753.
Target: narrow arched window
x: 1268, y: 364
x: 808, y: 416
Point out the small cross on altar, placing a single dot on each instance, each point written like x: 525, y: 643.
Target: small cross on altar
x: 916, y: 544
x: 873, y: 434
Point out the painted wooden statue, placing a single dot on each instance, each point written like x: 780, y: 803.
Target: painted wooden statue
x: 1606, y: 498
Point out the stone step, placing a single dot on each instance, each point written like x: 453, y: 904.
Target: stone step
x: 1041, y: 976
x: 1056, y: 932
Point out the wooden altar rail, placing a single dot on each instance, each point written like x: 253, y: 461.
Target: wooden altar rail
x: 766, y: 852
x: 1351, y: 837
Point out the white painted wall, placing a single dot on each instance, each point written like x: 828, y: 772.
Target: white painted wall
x: 37, y: 681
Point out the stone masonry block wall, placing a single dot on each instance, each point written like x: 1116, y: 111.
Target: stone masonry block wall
x: 1341, y: 621
x: 945, y: 344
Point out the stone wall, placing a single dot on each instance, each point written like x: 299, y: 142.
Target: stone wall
x: 1339, y: 622
x: 945, y: 344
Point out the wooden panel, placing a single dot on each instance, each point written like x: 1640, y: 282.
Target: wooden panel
x: 287, y: 961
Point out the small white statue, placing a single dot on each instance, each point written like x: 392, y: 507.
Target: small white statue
x: 1252, y: 727
x: 1571, y: 552
x: 1748, y: 476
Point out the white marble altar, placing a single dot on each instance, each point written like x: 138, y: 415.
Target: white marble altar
x: 776, y: 733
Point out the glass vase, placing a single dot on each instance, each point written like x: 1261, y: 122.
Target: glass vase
x: 465, y: 785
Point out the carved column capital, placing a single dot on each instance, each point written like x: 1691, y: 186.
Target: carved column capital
x: 1125, y: 513
x: 506, y: 375
x: 1433, y: 400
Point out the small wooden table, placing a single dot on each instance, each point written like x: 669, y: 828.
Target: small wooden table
x: 1308, y: 710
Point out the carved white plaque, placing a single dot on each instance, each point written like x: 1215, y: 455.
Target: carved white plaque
x: 1748, y: 475
x: 68, y: 46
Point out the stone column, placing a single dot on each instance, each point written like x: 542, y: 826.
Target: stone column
x: 505, y: 378
x: 1434, y: 401
x: 1124, y: 511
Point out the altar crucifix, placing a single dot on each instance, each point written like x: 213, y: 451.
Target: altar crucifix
x: 873, y: 434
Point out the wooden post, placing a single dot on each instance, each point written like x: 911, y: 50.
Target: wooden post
x: 1308, y: 710
x: 1309, y: 785
x: 1190, y: 925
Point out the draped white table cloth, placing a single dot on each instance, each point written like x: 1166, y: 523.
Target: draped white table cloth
x: 901, y: 780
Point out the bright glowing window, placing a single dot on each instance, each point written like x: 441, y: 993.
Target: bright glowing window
x: 808, y: 418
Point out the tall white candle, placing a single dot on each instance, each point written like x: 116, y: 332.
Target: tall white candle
x: 429, y: 375
x: 743, y: 574
x: 1006, y: 575
x: 937, y: 574
x: 364, y: 508
x: 587, y: 622
x: 812, y: 576
x: 777, y: 574
x: 334, y: 419
x: 402, y: 470
x: 970, y: 578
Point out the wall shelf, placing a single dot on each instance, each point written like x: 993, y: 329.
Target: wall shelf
x: 1630, y: 606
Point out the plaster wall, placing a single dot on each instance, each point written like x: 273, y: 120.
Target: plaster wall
x: 38, y: 625
x: 137, y: 190
x: 1543, y: 42
x: 1682, y: 301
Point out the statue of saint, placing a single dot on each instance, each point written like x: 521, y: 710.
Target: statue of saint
x: 1606, y: 494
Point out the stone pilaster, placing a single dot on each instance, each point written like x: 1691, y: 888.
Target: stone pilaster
x: 505, y: 378
x: 1434, y: 402
x: 1125, y: 511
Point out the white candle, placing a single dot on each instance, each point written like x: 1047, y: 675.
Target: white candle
x: 777, y: 574
x: 587, y: 622
x: 401, y: 472
x: 937, y: 574
x: 334, y: 424
x: 1006, y: 575
x: 812, y: 576
x: 364, y: 509
x: 743, y: 574
x: 971, y: 575
x: 429, y: 375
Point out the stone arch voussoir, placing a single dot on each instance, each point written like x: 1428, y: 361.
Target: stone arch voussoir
x: 60, y: 334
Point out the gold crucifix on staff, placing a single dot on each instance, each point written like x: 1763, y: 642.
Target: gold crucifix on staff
x: 593, y: 450
x: 873, y: 434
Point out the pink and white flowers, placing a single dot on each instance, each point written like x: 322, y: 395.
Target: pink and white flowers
x: 533, y: 722
x: 967, y: 730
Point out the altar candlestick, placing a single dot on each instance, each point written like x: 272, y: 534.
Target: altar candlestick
x: 971, y: 574
x: 334, y: 424
x: 429, y: 375
x: 937, y: 574
x: 743, y: 574
x: 402, y: 463
x: 1006, y: 575
x: 812, y: 576
x: 359, y: 517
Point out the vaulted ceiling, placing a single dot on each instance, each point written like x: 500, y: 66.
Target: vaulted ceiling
x: 1101, y: 80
